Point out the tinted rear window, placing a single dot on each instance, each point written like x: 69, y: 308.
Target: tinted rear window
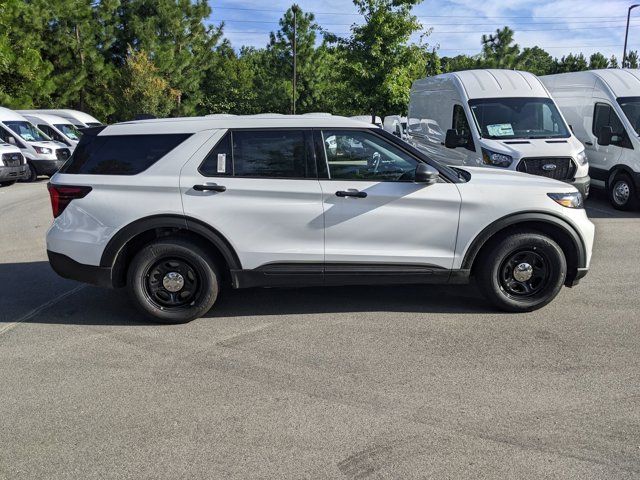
x: 120, y: 154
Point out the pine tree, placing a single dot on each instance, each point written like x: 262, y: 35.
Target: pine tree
x: 498, y: 49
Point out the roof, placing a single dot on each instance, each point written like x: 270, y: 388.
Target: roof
x: 196, y: 124
x: 489, y: 83
x: 65, y: 113
x: 7, y: 114
x: 50, y: 119
x: 622, y: 82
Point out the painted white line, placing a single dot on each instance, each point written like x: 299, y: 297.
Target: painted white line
x: 40, y: 309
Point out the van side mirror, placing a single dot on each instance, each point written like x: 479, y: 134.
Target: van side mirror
x: 605, y: 136
x: 11, y: 140
x: 426, y: 174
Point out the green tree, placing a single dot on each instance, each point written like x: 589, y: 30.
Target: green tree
x: 460, y: 62
x: 535, y: 60
x: 571, y: 63
x: 632, y: 59
x: 613, y: 62
x: 598, y: 61
x: 143, y: 90
x: 380, y: 66
x: 498, y: 49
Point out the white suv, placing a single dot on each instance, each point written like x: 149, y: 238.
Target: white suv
x: 177, y: 209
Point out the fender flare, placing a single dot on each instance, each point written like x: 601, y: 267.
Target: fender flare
x: 635, y: 176
x: 512, y: 220
x: 126, y: 234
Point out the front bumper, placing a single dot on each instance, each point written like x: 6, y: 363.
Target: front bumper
x: 10, y: 174
x: 68, y: 268
x: 583, y: 185
x: 47, y: 167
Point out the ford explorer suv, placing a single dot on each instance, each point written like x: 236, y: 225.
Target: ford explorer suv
x: 177, y: 209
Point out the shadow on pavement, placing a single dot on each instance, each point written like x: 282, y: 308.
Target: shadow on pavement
x: 32, y: 285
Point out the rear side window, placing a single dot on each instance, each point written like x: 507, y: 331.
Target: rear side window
x: 262, y: 154
x: 120, y: 154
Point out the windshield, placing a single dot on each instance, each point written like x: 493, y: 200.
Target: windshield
x: 631, y: 108
x: 69, y: 130
x: 506, y: 118
x: 26, y: 131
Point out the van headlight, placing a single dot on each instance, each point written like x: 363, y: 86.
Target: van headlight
x: 43, y: 150
x: 496, y: 159
x: 569, y: 200
x: 581, y: 158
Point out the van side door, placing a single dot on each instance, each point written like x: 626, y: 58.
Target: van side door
x: 602, y: 158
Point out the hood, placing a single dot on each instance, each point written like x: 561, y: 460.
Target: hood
x: 8, y: 148
x: 538, y: 147
x: 49, y: 144
x: 486, y: 176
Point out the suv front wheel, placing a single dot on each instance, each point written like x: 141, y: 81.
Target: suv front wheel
x: 522, y: 272
x: 173, y: 280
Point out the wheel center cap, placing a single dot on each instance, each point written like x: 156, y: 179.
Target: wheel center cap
x: 173, y: 282
x: 523, y: 272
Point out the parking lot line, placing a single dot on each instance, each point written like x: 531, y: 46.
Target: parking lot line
x: 41, y: 308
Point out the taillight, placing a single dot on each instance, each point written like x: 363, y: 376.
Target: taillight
x: 61, y: 196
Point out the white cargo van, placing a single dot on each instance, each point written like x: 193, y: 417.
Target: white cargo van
x: 495, y: 118
x: 367, y: 119
x: 396, y: 125
x: 43, y: 155
x: 78, y: 118
x: 12, y: 165
x: 603, y: 107
x: 57, y: 128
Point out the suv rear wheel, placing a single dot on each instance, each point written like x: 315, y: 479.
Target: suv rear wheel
x: 622, y: 192
x: 522, y: 272
x: 173, y: 280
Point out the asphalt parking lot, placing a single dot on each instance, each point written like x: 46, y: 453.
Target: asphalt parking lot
x: 360, y: 382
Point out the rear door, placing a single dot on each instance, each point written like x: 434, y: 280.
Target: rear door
x: 259, y: 189
x: 374, y: 213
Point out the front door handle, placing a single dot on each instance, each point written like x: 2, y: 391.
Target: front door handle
x: 210, y: 188
x: 351, y: 193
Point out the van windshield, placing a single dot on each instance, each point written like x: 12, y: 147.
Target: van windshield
x: 70, y: 131
x: 26, y: 131
x: 631, y: 108
x: 506, y: 118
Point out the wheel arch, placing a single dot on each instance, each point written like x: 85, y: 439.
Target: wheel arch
x: 559, y: 229
x: 613, y: 171
x: 132, y: 237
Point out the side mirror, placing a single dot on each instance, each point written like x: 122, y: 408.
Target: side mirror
x: 11, y: 140
x: 426, y: 174
x: 452, y: 139
x: 605, y: 136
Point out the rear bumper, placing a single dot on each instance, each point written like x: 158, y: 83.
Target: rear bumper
x: 9, y: 174
x: 582, y: 184
x: 68, y: 268
x: 47, y: 167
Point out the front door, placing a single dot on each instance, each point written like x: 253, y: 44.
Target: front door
x: 374, y: 213
x: 603, y: 158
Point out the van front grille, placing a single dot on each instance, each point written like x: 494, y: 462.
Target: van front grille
x: 558, y: 168
x: 12, y: 159
x: 63, y: 153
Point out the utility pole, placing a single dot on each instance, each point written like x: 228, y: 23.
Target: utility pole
x: 295, y: 56
x: 626, y: 36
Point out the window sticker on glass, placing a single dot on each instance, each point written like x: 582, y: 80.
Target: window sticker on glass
x: 500, y: 130
x: 222, y: 162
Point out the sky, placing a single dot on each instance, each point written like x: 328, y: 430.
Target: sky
x: 559, y: 26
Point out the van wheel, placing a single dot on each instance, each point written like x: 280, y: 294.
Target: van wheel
x: 522, y: 272
x: 33, y: 175
x: 173, y: 280
x: 622, y: 192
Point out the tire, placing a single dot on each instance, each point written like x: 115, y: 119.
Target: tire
x: 173, y: 281
x: 7, y: 184
x: 505, y: 285
x: 622, y: 192
x: 33, y: 175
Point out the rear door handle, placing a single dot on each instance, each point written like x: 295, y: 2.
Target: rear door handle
x: 589, y: 143
x: 210, y: 188
x: 351, y: 193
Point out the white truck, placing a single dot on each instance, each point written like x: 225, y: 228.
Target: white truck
x: 603, y: 108
x: 495, y: 118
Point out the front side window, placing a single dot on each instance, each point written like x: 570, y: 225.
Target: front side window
x: 461, y: 125
x: 605, y: 116
x: 511, y: 118
x: 26, y: 131
x: 360, y: 155
x: 631, y: 108
x: 69, y: 130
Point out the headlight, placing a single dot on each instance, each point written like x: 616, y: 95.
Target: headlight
x: 43, y: 150
x: 581, y: 158
x: 496, y: 159
x: 569, y: 200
